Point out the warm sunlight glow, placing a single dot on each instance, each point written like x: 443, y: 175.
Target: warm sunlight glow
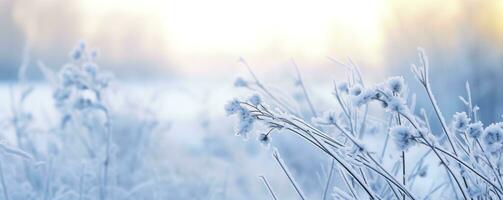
x: 199, y: 29
x: 201, y: 35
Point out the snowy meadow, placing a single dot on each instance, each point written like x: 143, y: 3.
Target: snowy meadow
x: 231, y: 100
x: 83, y: 135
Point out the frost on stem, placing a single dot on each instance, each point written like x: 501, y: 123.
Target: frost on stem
x: 288, y: 174
x: 403, y: 136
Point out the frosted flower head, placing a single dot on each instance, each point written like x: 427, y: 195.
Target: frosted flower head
x: 94, y: 54
x: 475, y: 130
x: 460, y: 121
x: 395, y: 84
x: 264, y: 139
x: 233, y: 107
x: 245, y: 124
x: 396, y: 104
x: 60, y: 95
x: 493, y: 137
x: 240, y: 82
x: 343, y: 87
x: 364, y: 97
x: 355, y: 90
x: 69, y: 75
x: 91, y: 69
x: 255, y: 100
x: 82, y: 103
x: 78, y: 52
x: 403, y: 137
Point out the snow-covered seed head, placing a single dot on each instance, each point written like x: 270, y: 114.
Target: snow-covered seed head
x: 493, y: 137
x: 475, y: 130
x: 364, y: 97
x: 94, y: 54
x: 246, y: 121
x: 355, y: 90
x: 395, y: 84
x: 82, y: 103
x: 403, y: 137
x: 233, y: 107
x: 343, y: 87
x: 91, y: 69
x: 60, y: 95
x: 78, y: 52
x: 240, y: 82
x: 396, y: 104
x: 255, y: 100
x: 460, y: 121
x: 264, y: 139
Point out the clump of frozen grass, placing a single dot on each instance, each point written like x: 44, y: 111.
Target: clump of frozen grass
x: 78, y: 158
x: 470, y: 159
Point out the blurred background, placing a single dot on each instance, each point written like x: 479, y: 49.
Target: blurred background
x: 179, y: 59
x: 201, y: 40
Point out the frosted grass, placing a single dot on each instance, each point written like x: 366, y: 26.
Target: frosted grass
x: 83, y: 134
x: 467, y: 153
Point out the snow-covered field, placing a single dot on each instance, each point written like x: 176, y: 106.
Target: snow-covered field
x: 81, y: 134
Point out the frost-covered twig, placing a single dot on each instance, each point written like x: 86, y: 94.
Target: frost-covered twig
x: 266, y: 183
x: 301, y: 83
x: 4, y: 186
x: 290, y: 177
x: 328, y: 179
